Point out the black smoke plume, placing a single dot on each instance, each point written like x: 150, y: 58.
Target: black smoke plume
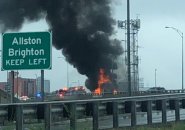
x: 81, y: 29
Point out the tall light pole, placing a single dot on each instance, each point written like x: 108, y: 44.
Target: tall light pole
x: 181, y: 35
x: 155, y: 77
x: 67, y: 71
x: 128, y: 49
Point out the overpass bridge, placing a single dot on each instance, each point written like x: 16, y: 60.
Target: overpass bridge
x: 51, y: 112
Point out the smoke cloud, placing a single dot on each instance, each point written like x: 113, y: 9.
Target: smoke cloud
x: 81, y: 29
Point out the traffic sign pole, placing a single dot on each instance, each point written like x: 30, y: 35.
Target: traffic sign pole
x: 42, y: 85
x: 12, y: 86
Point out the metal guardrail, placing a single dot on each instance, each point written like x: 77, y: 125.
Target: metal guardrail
x: 72, y: 107
x: 107, y: 95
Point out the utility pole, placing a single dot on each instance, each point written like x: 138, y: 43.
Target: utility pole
x: 131, y: 56
x: 181, y: 35
x: 128, y: 48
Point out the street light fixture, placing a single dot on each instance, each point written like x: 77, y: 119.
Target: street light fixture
x: 155, y: 77
x: 181, y: 35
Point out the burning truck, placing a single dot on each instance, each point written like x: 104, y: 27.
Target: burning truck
x: 105, y: 85
x: 77, y: 90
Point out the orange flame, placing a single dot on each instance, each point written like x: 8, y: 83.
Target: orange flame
x: 101, y: 80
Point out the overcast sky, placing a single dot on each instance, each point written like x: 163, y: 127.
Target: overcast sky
x: 160, y: 48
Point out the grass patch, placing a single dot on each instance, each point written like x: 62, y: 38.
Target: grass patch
x: 86, y: 125
x: 28, y: 126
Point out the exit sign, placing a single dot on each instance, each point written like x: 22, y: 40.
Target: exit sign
x: 30, y: 50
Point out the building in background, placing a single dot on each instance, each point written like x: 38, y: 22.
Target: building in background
x: 38, y: 84
x: 24, y: 86
x: 3, y: 85
x: 46, y: 85
x: 141, y: 83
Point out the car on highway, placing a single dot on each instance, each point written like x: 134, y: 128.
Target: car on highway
x: 24, y: 98
x: 156, y: 90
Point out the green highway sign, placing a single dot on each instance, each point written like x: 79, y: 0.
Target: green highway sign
x: 31, y: 50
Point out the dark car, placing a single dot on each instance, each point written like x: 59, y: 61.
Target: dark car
x: 156, y: 90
